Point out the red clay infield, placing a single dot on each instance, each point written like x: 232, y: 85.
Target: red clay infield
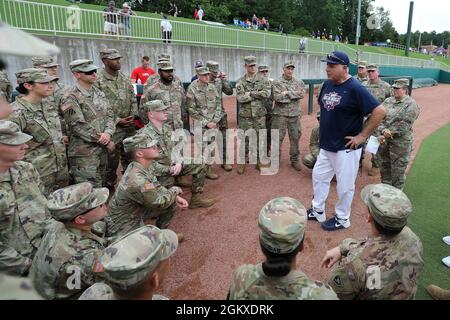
x: 224, y: 236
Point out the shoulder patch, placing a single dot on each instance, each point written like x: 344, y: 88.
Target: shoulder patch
x: 148, y: 186
x: 337, y: 280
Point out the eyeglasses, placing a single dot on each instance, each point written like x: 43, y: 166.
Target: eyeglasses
x: 89, y: 73
x: 332, y: 56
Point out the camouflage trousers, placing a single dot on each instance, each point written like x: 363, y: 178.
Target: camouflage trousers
x: 256, y: 123
x: 394, y: 157
x: 163, y: 217
x: 294, y: 129
x: 309, y: 160
x: 118, y: 155
x: 222, y: 125
x: 269, y: 117
x: 92, y: 168
x: 55, y: 181
x: 197, y: 171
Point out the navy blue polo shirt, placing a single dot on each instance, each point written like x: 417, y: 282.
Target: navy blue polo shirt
x: 342, y: 111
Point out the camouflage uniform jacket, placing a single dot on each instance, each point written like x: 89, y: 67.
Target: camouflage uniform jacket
x: 250, y: 283
x: 252, y: 106
x: 314, y: 148
x: 171, y: 95
x: 268, y: 103
x: 400, y: 117
x: 222, y: 86
x: 23, y: 217
x: 6, y: 87
x: 156, y: 77
x: 120, y: 95
x: 161, y: 165
x: 379, y: 268
x: 46, y: 151
x: 138, y: 193
x: 380, y: 90
x: 363, y: 81
x: 87, y: 115
x: 64, y: 264
x: 17, y: 288
x: 288, y: 104
x: 101, y: 291
x: 204, y: 103
x: 56, y: 100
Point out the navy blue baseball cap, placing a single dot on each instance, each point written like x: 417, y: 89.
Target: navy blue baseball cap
x: 337, y: 57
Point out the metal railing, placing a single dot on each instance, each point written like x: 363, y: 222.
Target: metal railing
x: 74, y: 21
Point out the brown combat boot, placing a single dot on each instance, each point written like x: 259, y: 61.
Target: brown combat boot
x: 240, y: 168
x: 374, y: 171
x: 210, y: 174
x: 180, y: 237
x: 198, y: 202
x: 438, y: 293
x: 183, y: 181
x: 227, y: 167
x: 296, y: 165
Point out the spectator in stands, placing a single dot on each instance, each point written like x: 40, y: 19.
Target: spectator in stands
x: 248, y: 23
x: 264, y: 24
x: 236, y: 22
x: 196, y: 14
x: 280, y: 28
x: 166, y: 30
x: 200, y: 13
x: 173, y: 9
x: 302, y: 44
x: 255, y: 22
x: 110, y: 15
x: 198, y: 64
x: 124, y: 15
x: 141, y: 74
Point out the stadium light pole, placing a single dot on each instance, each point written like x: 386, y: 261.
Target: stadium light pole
x: 408, y: 35
x: 358, y: 23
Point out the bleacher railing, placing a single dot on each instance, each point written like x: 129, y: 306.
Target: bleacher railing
x: 55, y: 20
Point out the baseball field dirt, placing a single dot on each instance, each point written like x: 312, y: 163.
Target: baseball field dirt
x: 224, y: 236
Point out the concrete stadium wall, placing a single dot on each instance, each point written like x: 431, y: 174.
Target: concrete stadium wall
x: 183, y: 56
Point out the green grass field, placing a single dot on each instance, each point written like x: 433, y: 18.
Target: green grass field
x: 428, y: 188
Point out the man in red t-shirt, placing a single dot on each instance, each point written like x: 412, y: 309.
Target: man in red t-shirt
x: 140, y: 76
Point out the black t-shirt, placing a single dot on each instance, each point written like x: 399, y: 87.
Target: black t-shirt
x: 111, y: 15
x: 342, y: 111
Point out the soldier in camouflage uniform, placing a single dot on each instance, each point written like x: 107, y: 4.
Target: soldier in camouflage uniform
x: 139, y: 194
x: 166, y: 167
x: 23, y: 211
x: 204, y: 104
x: 220, y: 81
x: 362, y: 73
x: 381, y: 90
x: 119, y: 92
x: 287, y: 92
x: 251, y: 91
x: 91, y: 124
x: 171, y: 92
x: 310, y: 159
x: 162, y: 58
x: 135, y: 274
x: 6, y: 87
x: 39, y: 118
x: 263, y: 71
x: 282, y: 223
x: 396, y: 134
x: 386, y: 265
x: 17, y: 288
x: 67, y: 261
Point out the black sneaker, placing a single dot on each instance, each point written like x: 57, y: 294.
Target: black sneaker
x: 315, y: 215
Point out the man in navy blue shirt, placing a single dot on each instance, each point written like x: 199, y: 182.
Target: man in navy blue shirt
x: 343, y: 104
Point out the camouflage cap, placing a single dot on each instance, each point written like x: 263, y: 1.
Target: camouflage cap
x: 282, y: 222
x: 213, y: 66
x: 110, y: 54
x: 67, y: 203
x: 198, y: 63
x: 137, y: 254
x: 250, y: 60
x: 11, y: 135
x: 34, y: 75
x: 155, y: 105
x: 165, y: 65
x: 44, y: 62
x: 362, y: 64
x: 164, y: 56
x: 389, y: 206
x: 372, y: 66
x: 263, y: 67
x: 289, y: 64
x: 138, y: 141
x: 82, y: 65
x: 202, y: 70
x: 400, y: 83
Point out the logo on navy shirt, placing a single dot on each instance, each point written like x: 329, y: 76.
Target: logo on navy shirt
x: 330, y: 100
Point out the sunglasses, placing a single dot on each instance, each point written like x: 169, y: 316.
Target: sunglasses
x: 264, y: 71
x: 88, y: 73
x: 332, y: 56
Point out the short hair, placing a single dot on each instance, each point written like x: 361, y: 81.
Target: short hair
x: 278, y: 264
x: 146, y: 58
